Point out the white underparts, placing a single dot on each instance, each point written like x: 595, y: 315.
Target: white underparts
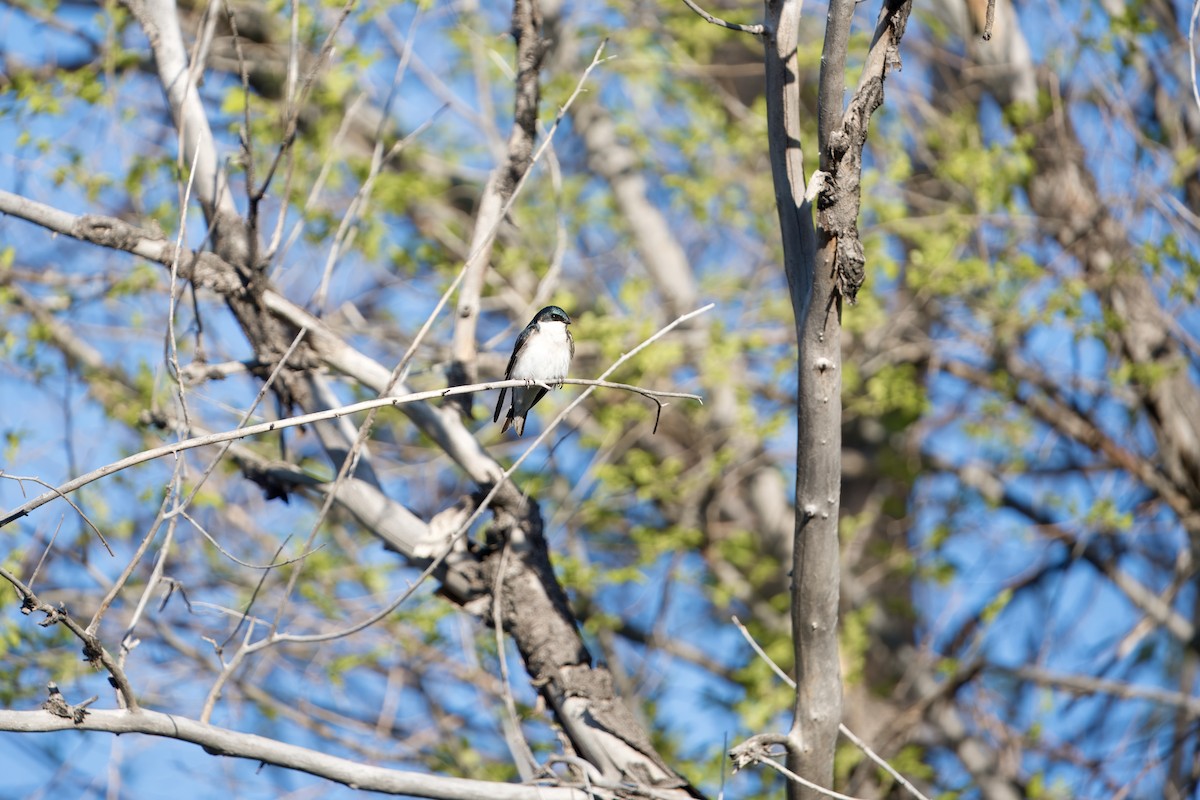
x: 546, y: 356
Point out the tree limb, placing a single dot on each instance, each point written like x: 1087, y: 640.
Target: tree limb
x: 93, y: 650
x: 224, y: 742
x: 822, y: 267
x: 247, y: 431
x: 160, y: 23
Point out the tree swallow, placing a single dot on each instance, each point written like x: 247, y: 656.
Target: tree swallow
x: 542, y: 354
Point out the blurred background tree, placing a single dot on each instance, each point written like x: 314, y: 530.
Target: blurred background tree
x: 1021, y: 454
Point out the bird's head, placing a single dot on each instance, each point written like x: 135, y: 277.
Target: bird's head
x: 552, y: 314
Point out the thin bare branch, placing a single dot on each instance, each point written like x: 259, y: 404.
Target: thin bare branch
x: 756, y: 30
x: 807, y: 784
x: 304, y: 419
x: 1090, y: 685
x: 33, y: 479
x: 357, y: 208
x: 258, y: 398
x: 174, y: 293
x: 156, y: 575
x: 522, y: 754
x: 142, y: 547
x: 490, y: 234
x: 229, y: 667
x: 45, y: 552
x: 296, y: 103
x: 1057, y: 412
x: 225, y: 742
x: 273, y: 565
x: 93, y: 650
x: 1192, y: 24
x: 849, y: 734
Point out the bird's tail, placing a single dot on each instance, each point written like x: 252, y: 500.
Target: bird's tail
x: 517, y: 423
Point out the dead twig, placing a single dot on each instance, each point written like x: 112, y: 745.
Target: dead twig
x: 93, y: 650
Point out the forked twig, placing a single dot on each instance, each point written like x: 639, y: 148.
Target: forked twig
x: 859, y: 743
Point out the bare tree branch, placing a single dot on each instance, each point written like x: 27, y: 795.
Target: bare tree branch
x: 990, y: 21
x: 994, y: 490
x: 205, y: 269
x: 225, y: 742
x: 160, y: 23
x: 815, y: 566
x: 1085, y: 685
x: 1069, y: 422
x: 858, y: 742
x: 756, y: 30
x: 247, y: 431
x: 844, y: 134
x: 93, y: 650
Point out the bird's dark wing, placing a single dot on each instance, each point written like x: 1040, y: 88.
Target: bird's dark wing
x: 499, y: 405
x: 512, y: 362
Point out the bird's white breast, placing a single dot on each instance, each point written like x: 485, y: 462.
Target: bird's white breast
x: 546, y: 356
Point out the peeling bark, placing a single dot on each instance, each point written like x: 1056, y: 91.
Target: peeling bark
x: 537, y: 615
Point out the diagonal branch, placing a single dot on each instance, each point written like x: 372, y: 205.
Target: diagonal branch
x: 160, y: 22
x: 93, y: 650
x: 1067, y: 421
x: 994, y: 490
x: 207, y: 270
x: 858, y: 742
x: 1090, y: 685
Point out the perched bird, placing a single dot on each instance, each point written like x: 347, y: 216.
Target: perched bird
x: 543, y: 353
